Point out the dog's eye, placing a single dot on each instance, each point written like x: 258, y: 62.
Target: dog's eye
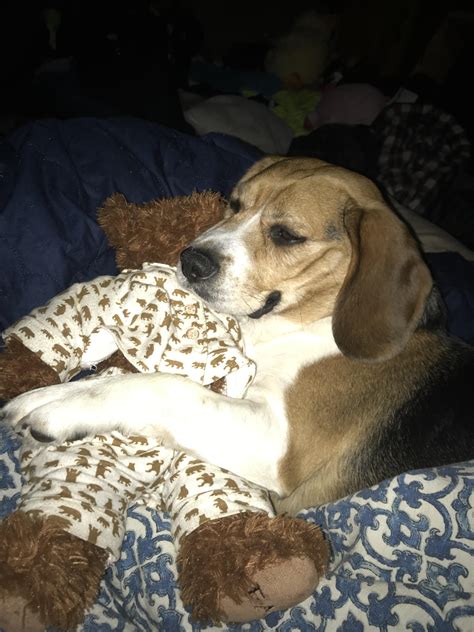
x: 281, y: 236
x: 235, y: 205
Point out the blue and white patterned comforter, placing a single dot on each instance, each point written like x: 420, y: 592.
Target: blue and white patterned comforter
x: 403, y: 559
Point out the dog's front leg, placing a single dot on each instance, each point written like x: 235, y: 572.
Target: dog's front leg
x: 244, y: 436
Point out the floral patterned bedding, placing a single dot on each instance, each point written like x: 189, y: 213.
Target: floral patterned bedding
x: 403, y: 559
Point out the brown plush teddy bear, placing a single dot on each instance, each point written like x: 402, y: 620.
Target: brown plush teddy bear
x: 55, y: 548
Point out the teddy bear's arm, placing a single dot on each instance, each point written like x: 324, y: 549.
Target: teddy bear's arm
x: 59, y: 332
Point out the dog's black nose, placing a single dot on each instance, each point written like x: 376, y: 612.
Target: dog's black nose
x: 197, y: 264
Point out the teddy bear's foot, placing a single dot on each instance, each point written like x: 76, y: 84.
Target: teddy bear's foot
x: 53, y: 573
x: 275, y: 587
x: 245, y: 566
x: 17, y: 616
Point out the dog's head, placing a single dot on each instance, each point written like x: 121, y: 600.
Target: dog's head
x: 307, y: 240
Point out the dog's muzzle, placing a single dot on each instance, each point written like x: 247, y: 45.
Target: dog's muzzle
x: 198, y: 264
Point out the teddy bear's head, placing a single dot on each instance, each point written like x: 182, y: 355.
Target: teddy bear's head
x: 157, y: 231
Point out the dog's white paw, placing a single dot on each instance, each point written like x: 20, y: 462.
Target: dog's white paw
x: 52, y: 422
x: 20, y: 407
x: 53, y: 413
x: 133, y: 403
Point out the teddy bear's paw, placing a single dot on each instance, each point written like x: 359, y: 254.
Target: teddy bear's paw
x: 276, y: 587
x: 17, y: 616
x: 55, y: 574
x: 244, y: 566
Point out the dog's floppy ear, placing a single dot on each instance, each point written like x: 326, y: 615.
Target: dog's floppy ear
x: 386, y: 286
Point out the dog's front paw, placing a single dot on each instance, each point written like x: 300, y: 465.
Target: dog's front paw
x: 50, y: 423
x: 53, y: 413
x: 46, y: 423
x: 15, y: 411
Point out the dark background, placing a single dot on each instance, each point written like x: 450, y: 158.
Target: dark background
x: 129, y: 58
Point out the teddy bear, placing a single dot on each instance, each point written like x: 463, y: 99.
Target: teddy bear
x: 55, y: 548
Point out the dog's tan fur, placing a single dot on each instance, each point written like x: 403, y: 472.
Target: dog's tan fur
x: 351, y: 400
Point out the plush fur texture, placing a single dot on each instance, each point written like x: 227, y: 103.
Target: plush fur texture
x: 54, y: 572
x: 226, y: 583
x: 159, y: 229
x: 21, y: 370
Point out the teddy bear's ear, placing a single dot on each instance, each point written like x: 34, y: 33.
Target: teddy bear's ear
x: 114, y: 217
x: 158, y: 230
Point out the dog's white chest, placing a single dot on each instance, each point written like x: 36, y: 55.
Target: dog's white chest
x: 281, y: 349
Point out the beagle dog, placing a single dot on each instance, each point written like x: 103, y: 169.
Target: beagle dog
x: 356, y: 380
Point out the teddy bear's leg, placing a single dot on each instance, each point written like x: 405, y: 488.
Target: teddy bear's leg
x: 22, y: 370
x: 245, y: 566
x: 236, y: 560
x: 43, y: 567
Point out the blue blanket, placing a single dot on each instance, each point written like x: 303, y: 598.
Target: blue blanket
x: 54, y: 176
x: 402, y: 551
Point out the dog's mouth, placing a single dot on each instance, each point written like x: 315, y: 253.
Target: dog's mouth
x: 213, y: 296
x: 271, y: 302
